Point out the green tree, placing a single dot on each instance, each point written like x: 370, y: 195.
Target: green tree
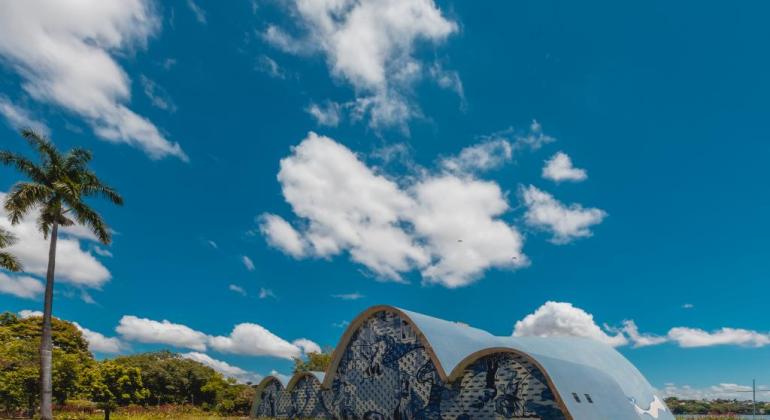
x: 19, y: 365
x: 112, y: 384
x: 7, y: 260
x: 316, y: 362
x: 57, y: 186
x: 172, y: 378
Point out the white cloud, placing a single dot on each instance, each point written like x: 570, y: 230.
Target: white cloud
x: 445, y: 226
x: 307, y: 346
x: 534, y: 139
x: 157, y: 95
x: 457, y: 220
x: 723, y: 391
x: 496, y: 149
x: 20, y: 286
x: 349, y: 296
x: 74, y: 265
x: 638, y: 339
x: 98, y: 343
x: 559, y: 168
x: 19, y: 117
x: 266, y: 293
x: 62, y: 50
x: 26, y: 313
x: 688, y: 306
x: 566, y: 223
x: 248, y: 263
x: 487, y: 155
x: 223, y: 367
x: 281, y: 235
x: 560, y: 319
x: 237, y: 289
x: 327, y: 114
x: 200, y: 14
x: 246, y: 338
x: 104, y: 252
x: 212, y: 244
x: 341, y: 324
x: 267, y: 65
x: 146, y: 330
x: 255, y: 340
x: 369, y: 44
x: 448, y: 79
x: 695, y: 337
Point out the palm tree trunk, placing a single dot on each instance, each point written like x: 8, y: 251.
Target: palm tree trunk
x: 46, y: 342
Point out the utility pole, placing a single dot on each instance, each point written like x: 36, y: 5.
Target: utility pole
x: 754, y: 397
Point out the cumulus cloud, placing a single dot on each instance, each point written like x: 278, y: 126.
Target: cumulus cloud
x: 638, y: 339
x: 20, y: 286
x: 487, y: 155
x: 307, y: 346
x: 280, y: 234
x: 327, y: 114
x: 63, y: 50
x: 562, y: 319
x: 559, y: 168
x: 695, y: 337
x: 255, y: 340
x: 566, y: 223
x: 19, y: 117
x: 145, y: 330
x: 223, y: 367
x: 369, y: 44
x: 26, y: 313
x: 98, y: 343
x: 248, y: 263
x: 246, y: 338
x: 74, y: 265
x: 446, y: 226
x: 496, y: 149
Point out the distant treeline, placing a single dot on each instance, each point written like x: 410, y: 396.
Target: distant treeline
x: 78, y: 379
x: 678, y: 406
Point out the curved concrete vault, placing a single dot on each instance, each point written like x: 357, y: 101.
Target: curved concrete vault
x: 396, y: 364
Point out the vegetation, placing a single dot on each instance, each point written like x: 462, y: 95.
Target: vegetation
x: 715, y: 407
x: 316, y: 362
x: 161, y: 382
x: 57, y: 187
x: 8, y: 261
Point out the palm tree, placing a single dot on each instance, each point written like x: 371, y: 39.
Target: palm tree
x: 57, y: 186
x: 8, y: 261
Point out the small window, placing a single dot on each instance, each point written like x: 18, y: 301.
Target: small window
x: 575, y: 396
x: 588, y: 398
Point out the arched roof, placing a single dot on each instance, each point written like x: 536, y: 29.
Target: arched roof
x: 317, y: 376
x: 270, y: 378
x: 571, y: 364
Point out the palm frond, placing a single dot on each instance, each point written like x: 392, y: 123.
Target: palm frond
x: 23, y: 165
x: 6, y: 238
x: 43, y: 146
x: 9, y: 262
x: 86, y: 216
x: 77, y: 159
x: 25, y: 196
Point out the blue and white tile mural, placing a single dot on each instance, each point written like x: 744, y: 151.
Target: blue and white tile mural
x: 386, y: 368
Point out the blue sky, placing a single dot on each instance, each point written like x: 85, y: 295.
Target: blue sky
x: 287, y: 164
